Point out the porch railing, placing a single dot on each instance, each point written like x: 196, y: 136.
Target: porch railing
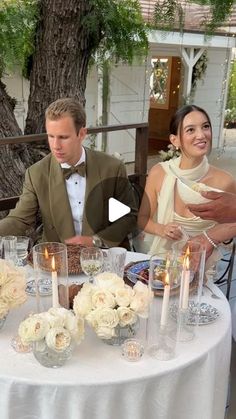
x: 141, y: 153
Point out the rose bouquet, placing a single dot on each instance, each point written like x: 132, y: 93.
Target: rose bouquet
x: 110, y: 303
x: 56, y: 329
x: 12, y: 287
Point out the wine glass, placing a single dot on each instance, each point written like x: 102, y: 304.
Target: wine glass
x: 91, y: 260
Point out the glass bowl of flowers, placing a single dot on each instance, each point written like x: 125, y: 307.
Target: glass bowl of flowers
x: 12, y: 288
x: 113, y: 308
x: 53, y: 335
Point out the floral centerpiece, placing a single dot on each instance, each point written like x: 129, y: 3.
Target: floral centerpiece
x: 111, y: 304
x: 52, y: 334
x: 12, y: 287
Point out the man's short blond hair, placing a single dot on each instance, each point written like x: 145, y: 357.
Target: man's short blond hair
x: 67, y: 107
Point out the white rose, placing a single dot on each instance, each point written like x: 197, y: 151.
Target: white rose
x: 110, y: 281
x: 58, y: 339
x: 75, y: 325
x: 3, y: 309
x: 13, y: 292
x: 140, y: 304
x: 103, y: 298
x: 87, y: 288
x: 33, y: 328
x: 82, y: 304
x: 105, y: 332
x: 103, y: 317
x: 123, y: 296
x: 126, y: 316
x: 56, y: 317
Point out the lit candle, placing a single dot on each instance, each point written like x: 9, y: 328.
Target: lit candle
x: 132, y: 350
x: 55, y: 301
x: 184, y: 289
x: 165, y: 302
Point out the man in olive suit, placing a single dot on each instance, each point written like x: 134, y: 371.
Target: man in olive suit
x: 73, y: 205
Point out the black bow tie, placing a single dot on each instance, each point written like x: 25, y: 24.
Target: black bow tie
x: 80, y: 169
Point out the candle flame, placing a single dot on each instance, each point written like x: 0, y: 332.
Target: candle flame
x: 53, y: 264
x: 186, y: 259
x: 46, y: 253
x: 167, y: 279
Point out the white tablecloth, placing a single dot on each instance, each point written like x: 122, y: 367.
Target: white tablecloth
x: 97, y: 383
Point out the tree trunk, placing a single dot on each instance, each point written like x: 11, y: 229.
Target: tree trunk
x: 60, y: 63
x: 13, y: 159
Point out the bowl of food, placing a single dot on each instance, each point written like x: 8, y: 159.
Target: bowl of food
x: 190, y: 191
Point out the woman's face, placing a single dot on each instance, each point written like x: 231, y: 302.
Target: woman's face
x: 195, y: 137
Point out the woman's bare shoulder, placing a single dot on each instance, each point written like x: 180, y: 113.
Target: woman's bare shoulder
x: 222, y: 179
x: 156, y: 170
x: 156, y: 176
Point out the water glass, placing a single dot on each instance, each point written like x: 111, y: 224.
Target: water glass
x: 116, y: 257
x: 91, y: 260
x: 22, y: 247
x: 9, y: 248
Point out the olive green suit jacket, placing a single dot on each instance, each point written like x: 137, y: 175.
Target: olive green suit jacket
x: 44, y: 189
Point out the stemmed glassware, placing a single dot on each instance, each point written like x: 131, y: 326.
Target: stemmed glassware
x: 91, y: 259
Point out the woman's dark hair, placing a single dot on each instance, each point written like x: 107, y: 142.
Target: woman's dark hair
x: 176, y: 122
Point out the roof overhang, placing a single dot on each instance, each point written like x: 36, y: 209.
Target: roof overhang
x: 189, y: 39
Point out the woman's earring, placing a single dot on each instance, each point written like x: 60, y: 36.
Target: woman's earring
x: 176, y: 148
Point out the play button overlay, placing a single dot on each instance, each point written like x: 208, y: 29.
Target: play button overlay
x: 116, y: 209
x: 112, y: 207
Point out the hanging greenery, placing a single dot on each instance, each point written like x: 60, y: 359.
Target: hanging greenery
x: 17, y: 23
x: 219, y: 11
x: 199, y: 70
x: 169, y: 14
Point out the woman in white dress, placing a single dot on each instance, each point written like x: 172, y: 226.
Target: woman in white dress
x: 163, y: 215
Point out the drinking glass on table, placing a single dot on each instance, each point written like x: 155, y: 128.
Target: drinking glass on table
x: 22, y: 246
x: 91, y: 260
x: 9, y: 248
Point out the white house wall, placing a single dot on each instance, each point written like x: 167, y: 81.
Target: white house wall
x: 129, y: 103
x: 18, y: 87
x: 211, y: 92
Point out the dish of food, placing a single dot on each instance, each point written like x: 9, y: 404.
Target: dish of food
x: 140, y: 271
x: 190, y: 192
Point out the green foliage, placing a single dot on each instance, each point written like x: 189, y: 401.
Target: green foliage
x: 231, y: 100
x: 117, y: 30
x: 17, y: 28
x: 168, y: 12
x: 220, y: 11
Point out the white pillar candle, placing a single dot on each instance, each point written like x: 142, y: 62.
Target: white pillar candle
x: 186, y: 277
x: 165, y: 301
x: 55, y: 300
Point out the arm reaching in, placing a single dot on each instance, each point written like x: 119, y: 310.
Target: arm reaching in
x: 221, y: 208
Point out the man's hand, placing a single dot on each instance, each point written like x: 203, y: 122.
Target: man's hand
x: 83, y: 240
x: 221, y: 208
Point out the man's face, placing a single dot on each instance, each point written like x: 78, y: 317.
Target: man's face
x: 64, y: 141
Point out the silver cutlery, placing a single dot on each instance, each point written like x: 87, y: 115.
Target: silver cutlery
x: 213, y: 294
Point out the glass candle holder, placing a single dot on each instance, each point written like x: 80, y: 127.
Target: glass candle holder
x: 132, y: 350
x: 164, y: 282
x: 188, y: 310
x: 51, y: 275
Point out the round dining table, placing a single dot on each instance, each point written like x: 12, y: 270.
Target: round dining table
x: 98, y: 383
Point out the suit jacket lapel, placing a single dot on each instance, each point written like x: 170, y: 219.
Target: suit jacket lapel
x: 59, y: 203
x: 93, y: 208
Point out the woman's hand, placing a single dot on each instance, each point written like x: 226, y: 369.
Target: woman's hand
x: 172, y: 231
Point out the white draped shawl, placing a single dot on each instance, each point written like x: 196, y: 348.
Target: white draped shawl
x: 165, y: 212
